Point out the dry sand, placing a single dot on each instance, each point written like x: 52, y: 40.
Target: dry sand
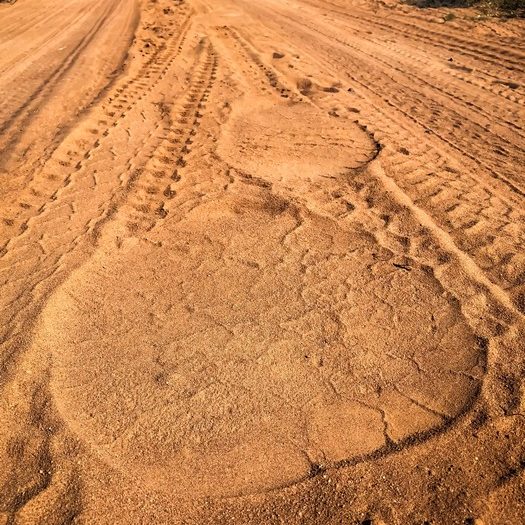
x: 262, y: 262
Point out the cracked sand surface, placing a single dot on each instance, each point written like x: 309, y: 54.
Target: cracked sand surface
x: 250, y: 345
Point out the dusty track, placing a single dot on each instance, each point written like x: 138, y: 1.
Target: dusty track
x: 261, y: 262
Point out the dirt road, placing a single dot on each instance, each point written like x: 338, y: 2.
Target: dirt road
x: 261, y: 262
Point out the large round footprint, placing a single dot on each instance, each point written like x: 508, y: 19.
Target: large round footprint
x: 258, y: 341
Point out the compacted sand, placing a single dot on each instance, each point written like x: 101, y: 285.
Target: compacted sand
x: 261, y: 262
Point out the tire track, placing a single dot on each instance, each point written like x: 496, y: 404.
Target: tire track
x: 54, y: 242
x: 115, y: 108
x: 414, y: 168
x: 495, y: 55
x: 267, y: 73
x: 391, y: 96
x: 143, y: 202
x: 454, y: 70
x: 22, y: 116
x: 39, y: 230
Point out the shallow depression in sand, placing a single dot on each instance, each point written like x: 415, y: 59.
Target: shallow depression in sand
x: 254, y: 340
x: 223, y: 368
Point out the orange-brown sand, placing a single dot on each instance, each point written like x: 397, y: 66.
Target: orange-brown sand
x: 262, y: 262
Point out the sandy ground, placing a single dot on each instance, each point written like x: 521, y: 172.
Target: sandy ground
x: 261, y: 262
